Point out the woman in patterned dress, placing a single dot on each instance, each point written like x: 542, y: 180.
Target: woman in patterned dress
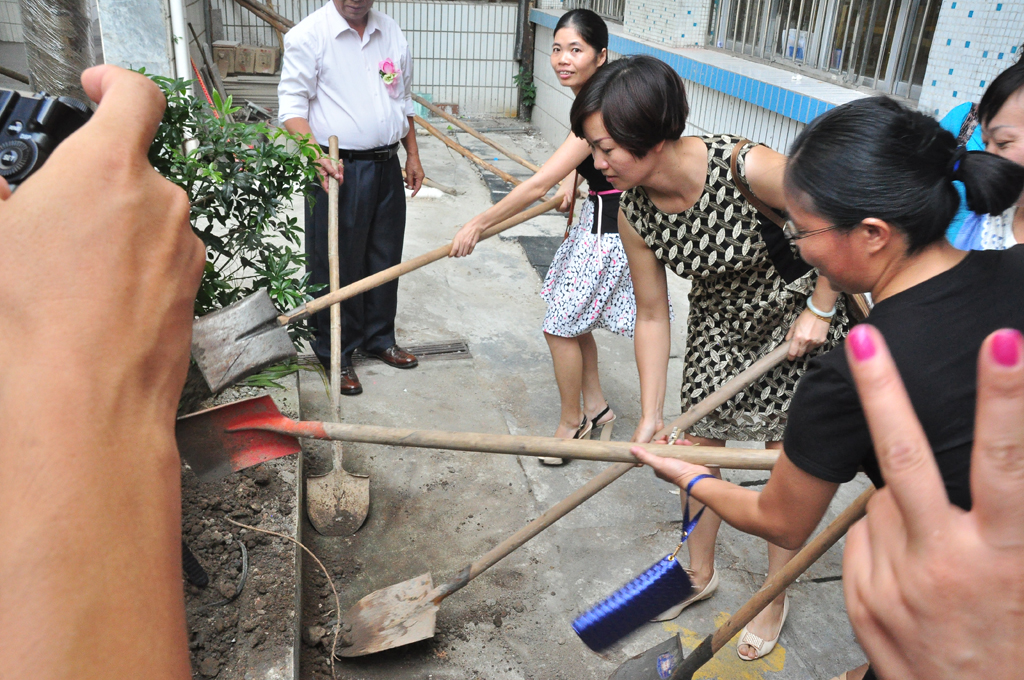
x: 587, y: 285
x: 681, y: 209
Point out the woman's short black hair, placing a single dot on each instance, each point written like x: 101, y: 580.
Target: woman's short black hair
x: 641, y: 100
x: 588, y: 24
x: 999, y: 90
x: 873, y: 157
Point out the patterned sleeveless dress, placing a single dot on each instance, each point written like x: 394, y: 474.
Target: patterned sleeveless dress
x: 740, y: 307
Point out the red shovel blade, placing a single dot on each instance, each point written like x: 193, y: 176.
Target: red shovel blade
x: 221, y: 440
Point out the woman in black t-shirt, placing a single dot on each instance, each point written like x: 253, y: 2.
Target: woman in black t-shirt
x: 869, y: 190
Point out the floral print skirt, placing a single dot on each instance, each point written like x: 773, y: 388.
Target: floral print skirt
x: 588, y: 284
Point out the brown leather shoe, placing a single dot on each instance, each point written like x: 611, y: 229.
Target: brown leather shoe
x: 349, y: 384
x: 397, y: 357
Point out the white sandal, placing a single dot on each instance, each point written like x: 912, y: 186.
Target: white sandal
x: 708, y: 591
x: 762, y: 647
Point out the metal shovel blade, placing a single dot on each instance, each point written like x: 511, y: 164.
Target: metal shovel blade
x: 239, y: 340
x: 391, y: 617
x: 657, y: 662
x: 206, y: 440
x: 337, y: 503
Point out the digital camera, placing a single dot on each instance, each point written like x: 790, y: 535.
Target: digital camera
x: 31, y: 127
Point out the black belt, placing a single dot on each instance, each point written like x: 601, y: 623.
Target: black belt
x: 380, y: 155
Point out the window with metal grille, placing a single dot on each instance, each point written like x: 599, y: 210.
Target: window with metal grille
x: 879, y: 44
x: 612, y: 10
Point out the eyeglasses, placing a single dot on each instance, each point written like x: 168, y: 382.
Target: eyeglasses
x: 790, y: 232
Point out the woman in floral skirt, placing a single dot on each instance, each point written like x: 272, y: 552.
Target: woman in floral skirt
x: 588, y: 284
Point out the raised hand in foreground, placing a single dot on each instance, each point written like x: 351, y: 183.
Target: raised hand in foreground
x: 98, y: 274
x: 933, y: 592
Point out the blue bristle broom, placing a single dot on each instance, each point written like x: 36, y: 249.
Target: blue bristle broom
x: 662, y: 586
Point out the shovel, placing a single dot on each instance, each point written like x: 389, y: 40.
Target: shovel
x: 666, y: 660
x: 249, y: 335
x: 337, y: 502
x: 406, y: 613
x: 235, y: 436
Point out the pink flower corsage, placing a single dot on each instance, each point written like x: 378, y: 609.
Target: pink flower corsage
x: 389, y: 74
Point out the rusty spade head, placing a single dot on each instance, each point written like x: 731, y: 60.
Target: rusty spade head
x: 239, y: 340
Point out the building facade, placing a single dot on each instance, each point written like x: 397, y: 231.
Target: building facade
x: 765, y: 68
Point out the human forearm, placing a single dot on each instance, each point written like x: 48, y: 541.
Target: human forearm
x: 108, y: 471
x: 298, y: 126
x: 785, y: 512
x: 412, y: 148
x: 652, y: 344
x: 94, y: 346
x: 742, y: 509
x: 824, y: 296
x: 515, y: 202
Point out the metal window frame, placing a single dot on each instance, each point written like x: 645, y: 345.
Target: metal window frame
x: 880, y: 45
x: 611, y: 10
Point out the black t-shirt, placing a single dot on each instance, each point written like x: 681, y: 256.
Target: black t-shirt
x: 934, y: 331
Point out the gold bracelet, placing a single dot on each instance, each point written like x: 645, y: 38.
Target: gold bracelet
x: 826, y: 319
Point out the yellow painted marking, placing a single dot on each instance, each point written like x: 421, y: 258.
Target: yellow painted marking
x: 726, y: 663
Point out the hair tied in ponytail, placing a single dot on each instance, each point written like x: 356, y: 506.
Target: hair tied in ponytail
x: 954, y: 163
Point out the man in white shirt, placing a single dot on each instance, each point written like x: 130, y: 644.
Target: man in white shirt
x: 347, y: 72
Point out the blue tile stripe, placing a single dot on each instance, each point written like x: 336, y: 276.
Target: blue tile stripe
x: 790, y: 104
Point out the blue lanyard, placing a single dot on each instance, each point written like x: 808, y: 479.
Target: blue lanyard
x: 688, y: 524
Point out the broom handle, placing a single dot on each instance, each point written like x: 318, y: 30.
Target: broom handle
x: 606, y: 477
x: 522, y: 445
x: 458, y: 148
x: 807, y: 556
x: 392, y: 273
x: 455, y: 121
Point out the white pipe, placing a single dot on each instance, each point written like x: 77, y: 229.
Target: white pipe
x: 182, y: 60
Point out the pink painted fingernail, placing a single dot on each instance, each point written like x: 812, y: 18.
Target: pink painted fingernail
x: 1006, y: 347
x: 861, y: 343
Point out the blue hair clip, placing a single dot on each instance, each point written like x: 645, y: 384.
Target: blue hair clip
x: 662, y: 586
x: 956, y: 167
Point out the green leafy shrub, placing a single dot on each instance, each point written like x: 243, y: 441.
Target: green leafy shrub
x: 240, y: 178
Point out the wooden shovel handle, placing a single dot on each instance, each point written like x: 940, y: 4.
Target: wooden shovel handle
x: 458, y: 148
x: 807, y: 556
x: 523, y: 445
x: 490, y: 142
x: 392, y: 273
x: 334, y: 262
x: 609, y: 475
x: 727, y: 391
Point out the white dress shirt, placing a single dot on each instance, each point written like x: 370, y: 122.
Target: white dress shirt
x: 330, y: 76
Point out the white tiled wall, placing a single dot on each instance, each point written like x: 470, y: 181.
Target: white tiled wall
x: 711, y: 111
x: 10, y: 21
x: 676, y: 23
x: 714, y: 112
x: 549, y: 4
x: 974, y: 41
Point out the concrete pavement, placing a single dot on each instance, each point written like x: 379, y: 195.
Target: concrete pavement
x: 437, y: 511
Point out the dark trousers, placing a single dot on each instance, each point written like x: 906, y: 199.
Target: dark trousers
x: 371, y: 228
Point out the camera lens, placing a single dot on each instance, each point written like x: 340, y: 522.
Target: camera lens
x: 15, y: 155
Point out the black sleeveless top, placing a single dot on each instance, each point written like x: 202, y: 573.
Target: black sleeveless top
x: 608, y: 203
